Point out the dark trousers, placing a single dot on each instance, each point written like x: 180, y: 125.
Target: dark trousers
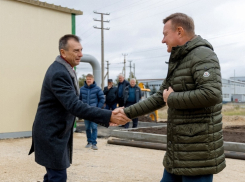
x: 168, y: 177
x: 54, y: 175
x: 111, y: 106
x: 135, y: 120
x: 121, y: 102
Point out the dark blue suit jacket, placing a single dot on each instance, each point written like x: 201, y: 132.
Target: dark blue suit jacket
x: 53, y: 126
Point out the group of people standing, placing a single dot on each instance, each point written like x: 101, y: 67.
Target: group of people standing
x: 124, y: 95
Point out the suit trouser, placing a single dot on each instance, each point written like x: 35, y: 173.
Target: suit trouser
x: 120, y: 102
x: 54, y: 175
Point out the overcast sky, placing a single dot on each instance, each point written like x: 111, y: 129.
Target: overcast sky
x: 136, y: 29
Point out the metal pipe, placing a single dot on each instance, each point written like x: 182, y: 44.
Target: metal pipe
x: 160, y: 146
x: 235, y: 155
x: 150, y: 145
x: 95, y: 65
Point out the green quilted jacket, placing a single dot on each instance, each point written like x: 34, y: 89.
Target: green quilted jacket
x: 194, y: 128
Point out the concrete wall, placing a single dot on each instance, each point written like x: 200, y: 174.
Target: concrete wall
x: 28, y: 45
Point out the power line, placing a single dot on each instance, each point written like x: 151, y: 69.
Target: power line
x: 152, y: 57
x: 229, y: 34
x: 214, y: 37
x: 157, y: 13
x: 88, y: 37
x: 90, y: 28
x: 118, y: 63
x: 169, y: 54
x: 109, y: 5
x: 119, y: 9
x: 140, y: 10
x: 146, y: 50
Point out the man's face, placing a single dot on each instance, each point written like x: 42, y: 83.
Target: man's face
x: 170, y: 36
x: 121, y: 78
x: 89, y: 81
x: 110, y: 84
x: 132, y: 83
x: 73, y: 53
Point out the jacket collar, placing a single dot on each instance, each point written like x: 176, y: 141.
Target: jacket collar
x: 122, y: 82
x: 70, y: 71
x: 179, y: 52
x: 90, y: 86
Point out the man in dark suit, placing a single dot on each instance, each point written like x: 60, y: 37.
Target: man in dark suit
x: 52, y: 132
x: 120, y: 89
x: 111, y: 95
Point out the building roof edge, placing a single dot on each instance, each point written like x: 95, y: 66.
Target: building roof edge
x: 51, y: 6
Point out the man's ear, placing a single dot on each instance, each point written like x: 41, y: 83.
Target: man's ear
x: 180, y: 31
x: 62, y: 53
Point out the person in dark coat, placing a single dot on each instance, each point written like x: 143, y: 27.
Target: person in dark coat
x: 52, y: 132
x: 132, y: 95
x: 111, y: 95
x: 92, y: 95
x: 120, y: 88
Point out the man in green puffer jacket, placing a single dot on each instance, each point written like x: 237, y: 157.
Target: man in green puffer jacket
x: 192, y: 91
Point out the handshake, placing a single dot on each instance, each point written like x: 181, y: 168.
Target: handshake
x: 118, y: 117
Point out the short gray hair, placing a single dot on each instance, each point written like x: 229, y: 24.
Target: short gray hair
x: 63, y: 41
x: 132, y: 79
x: 121, y: 75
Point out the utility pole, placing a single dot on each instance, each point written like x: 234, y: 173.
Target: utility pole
x: 134, y: 70
x: 102, y: 43
x: 124, y: 68
x: 107, y: 70
x: 130, y: 73
x: 234, y: 83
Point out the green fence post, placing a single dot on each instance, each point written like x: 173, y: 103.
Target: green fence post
x: 73, y: 31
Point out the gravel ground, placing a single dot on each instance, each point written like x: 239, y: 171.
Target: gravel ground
x: 111, y: 163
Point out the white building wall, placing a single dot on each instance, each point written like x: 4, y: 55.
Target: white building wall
x: 229, y: 88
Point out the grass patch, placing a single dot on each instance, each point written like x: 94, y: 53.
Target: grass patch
x: 237, y: 112
x: 162, y: 114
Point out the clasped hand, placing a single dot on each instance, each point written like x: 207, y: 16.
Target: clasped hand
x: 118, y: 117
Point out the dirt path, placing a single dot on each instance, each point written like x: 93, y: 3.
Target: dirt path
x: 110, y: 163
